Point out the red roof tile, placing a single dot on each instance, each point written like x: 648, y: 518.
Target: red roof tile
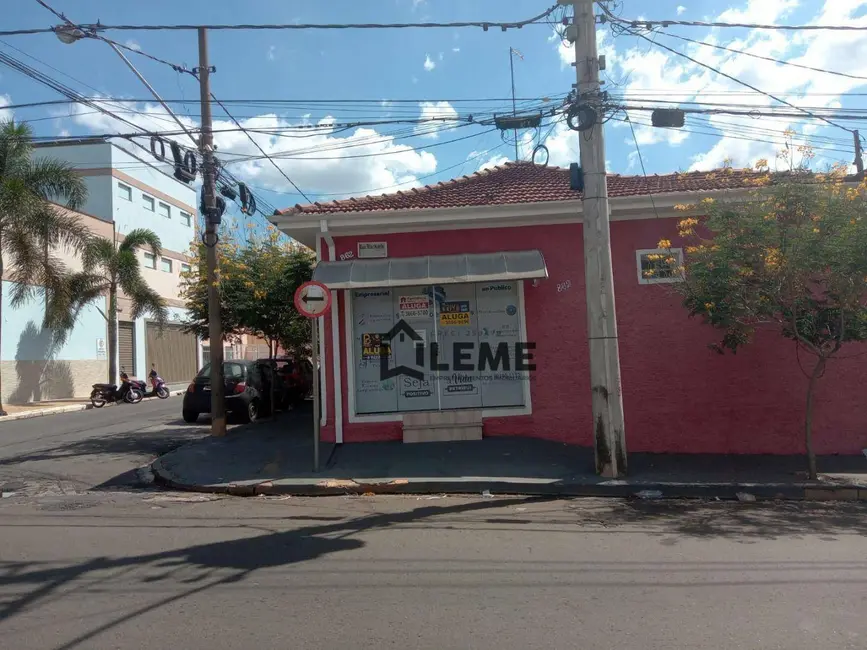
x: 526, y: 182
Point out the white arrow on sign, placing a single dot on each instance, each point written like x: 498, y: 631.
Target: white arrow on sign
x: 314, y: 299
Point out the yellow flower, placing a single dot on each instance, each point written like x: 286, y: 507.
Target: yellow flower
x: 708, y: 305
x: 663, y: 243
x: 852, y: 221
x: 682, y: 207
x: 816, y: 230
x: 707, y: 200
x: 692, y: 249
x: 762, y: 162
x: 648, y: 273
x: 773, y: 257
x: 851, y: 194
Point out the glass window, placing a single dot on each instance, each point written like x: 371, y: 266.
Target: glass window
x: 166, y: 264
x: 124, y: 192
x: 186, y: 218
x: 231, y: 370
x: 660, y: 265
x: 150, y: 261
x: 185, y: 268
x: 165, y: 210
x: 148, y: 202
x: 478, y: 361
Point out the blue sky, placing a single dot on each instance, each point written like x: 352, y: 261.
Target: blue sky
x: 445, y: 64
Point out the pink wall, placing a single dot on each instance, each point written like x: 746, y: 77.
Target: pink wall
x: 678, y: 395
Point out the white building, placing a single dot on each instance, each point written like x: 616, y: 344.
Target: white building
x: 130, y: 191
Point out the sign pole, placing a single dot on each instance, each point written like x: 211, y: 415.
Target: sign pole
x: 314, y: 326
x: 313, y: 300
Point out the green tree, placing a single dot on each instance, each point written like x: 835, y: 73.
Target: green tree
x: 257, y: 277
x: 792, y: 258
x: 109, y: 268
x: 32, y: 228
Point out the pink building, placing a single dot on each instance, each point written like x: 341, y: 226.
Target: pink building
x: 516, y: 276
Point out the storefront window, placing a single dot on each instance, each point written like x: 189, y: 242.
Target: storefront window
x: 452, y: 347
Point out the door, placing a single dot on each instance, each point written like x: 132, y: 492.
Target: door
x: 126, y: 346
x: 173, y: 353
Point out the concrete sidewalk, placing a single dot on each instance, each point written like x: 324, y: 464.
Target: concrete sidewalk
x: 59, y: 406
x: 276, y: 458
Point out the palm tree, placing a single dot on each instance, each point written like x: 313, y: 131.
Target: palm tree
x: 110, y: 267
x: 31, y: 226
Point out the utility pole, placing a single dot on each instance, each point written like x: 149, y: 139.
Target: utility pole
x: 607, y: 400
x: 859, y: 162
x: 209, y: 191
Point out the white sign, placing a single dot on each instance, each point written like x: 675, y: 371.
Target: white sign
x: 312, y: 299
x: 373, y: 249
x: 100, y: 348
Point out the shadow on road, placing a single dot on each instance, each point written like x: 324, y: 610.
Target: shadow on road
x: 215, y: 564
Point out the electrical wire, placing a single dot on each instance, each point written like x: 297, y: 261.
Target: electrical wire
x: 735, y: 79
x: 261, y: 150
x: 650, y: 24
x: 763, y: 58
x: 641, y: 160
x: 484, y: 25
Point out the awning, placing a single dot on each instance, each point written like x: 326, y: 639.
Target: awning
x: 431, y: 269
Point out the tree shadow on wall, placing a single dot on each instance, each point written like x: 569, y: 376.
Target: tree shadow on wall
x: 40, y: 377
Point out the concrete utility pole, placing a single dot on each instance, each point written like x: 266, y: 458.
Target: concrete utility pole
x: 607, y: 400
x: 209, y: 189
x: 859, y: 161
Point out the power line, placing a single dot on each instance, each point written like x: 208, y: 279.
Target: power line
x: 261, y: 150
x: 735, y: 79
x: 641, y: 160
x: 484, y: 25
x: 650, y: 24
x: 763, y: 58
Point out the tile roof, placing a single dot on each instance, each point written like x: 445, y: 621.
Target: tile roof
x: 526, y: 182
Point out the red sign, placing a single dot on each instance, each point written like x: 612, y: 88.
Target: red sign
x: 313, y: 299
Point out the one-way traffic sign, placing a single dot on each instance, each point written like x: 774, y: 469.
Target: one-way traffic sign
x: 313, y: 299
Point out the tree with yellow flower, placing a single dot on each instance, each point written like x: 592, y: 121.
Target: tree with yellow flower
x: 257, y: 278
x: 793, y: 258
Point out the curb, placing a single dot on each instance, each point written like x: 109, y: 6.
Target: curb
x: 529, y: 487
x: 26, y: 415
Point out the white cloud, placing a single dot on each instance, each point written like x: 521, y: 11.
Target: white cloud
x: 493, y: 161
x: 133, y: 45
x: 680, y: 10
x: 5, y: 113
x: 440, y: 56
x: 443, y: 112
x: 428, y: 63
x: 414, y: 79
x: 392, y: 163
x: 456, y: 49
x: 272, y: 49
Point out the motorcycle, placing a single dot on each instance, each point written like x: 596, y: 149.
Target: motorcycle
x: 159, y: 386
x: 126, y: 392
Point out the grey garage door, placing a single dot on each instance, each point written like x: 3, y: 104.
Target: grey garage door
x: 126, y: 346
x: 173, y: 352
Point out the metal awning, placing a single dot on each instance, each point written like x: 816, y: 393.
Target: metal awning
x: 431, y: 269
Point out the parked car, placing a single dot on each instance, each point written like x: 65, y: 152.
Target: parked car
x: 297, y: 378
x: 247, y: 390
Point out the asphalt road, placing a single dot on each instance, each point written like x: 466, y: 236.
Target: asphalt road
x: 126, y: 566
x: 73, y: 452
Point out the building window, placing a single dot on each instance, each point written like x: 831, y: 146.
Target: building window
x: 187, y: 218
x: 148, y: 202
x: 185, y: 268
x: 477, y: 330
x: 165, y: 210
x: 660, y: 265
x: 150, y: 261
x: 166, y: 264
x: 124, y: 192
